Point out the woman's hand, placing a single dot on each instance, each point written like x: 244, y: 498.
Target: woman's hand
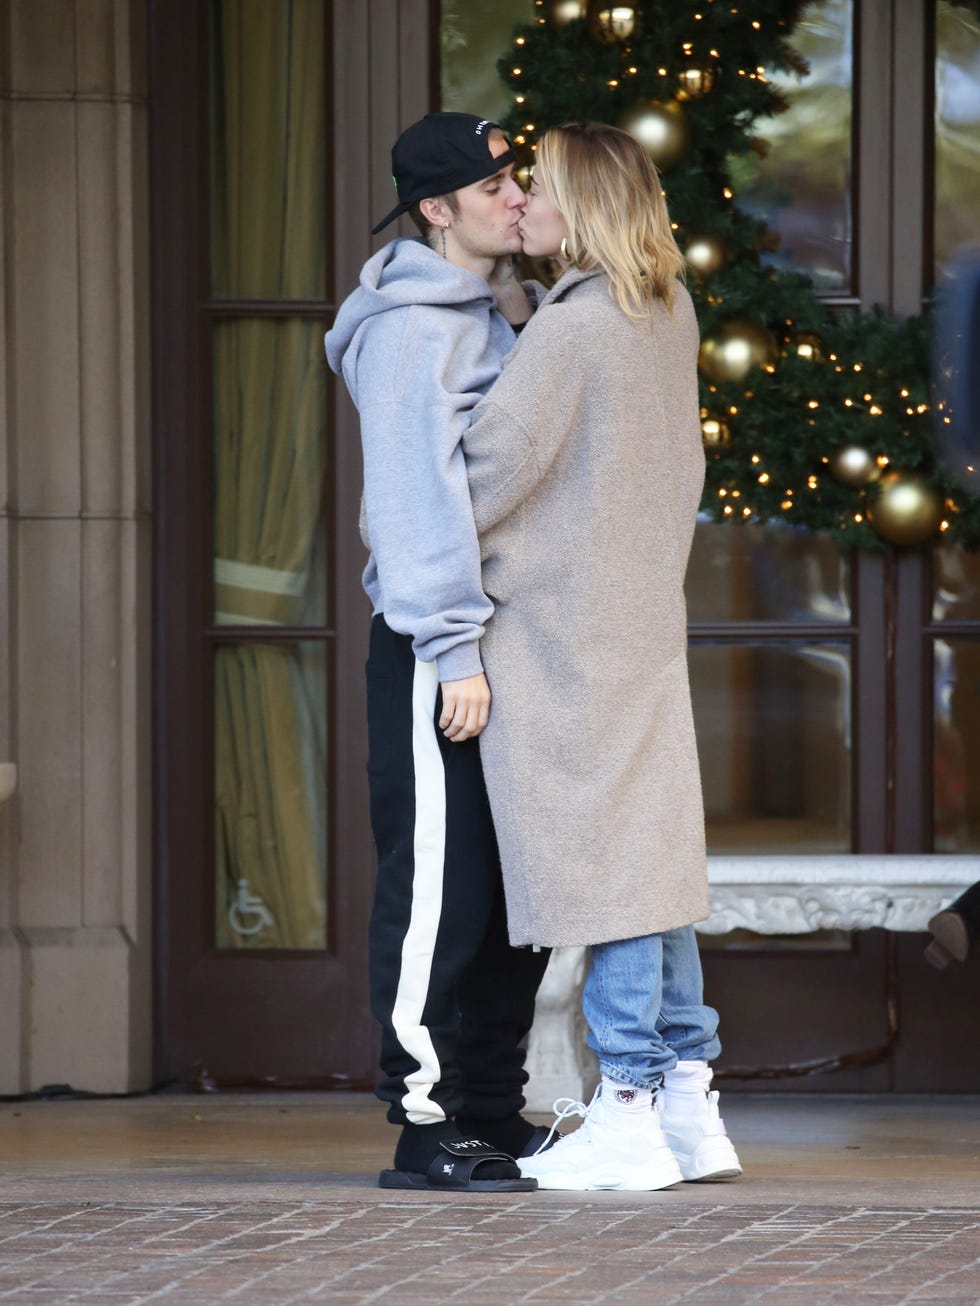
x: 465, y: 707
x: 508, y: 291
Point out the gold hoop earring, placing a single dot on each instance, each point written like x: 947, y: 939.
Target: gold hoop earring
x: 563, y: 249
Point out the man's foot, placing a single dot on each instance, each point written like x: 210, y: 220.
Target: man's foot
x: 425, y: 1150
x: 609, y: 1150
x: 693, y: 1126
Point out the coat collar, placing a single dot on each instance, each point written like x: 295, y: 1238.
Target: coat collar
x: 568, y: 280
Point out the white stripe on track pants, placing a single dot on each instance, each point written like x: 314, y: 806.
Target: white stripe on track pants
x: 454, y: 999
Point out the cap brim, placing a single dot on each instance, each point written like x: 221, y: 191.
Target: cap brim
x: 396, y: 212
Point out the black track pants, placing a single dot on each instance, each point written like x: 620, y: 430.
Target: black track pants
x: 454, y: 999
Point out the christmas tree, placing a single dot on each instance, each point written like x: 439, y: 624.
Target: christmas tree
x: 820, y: 420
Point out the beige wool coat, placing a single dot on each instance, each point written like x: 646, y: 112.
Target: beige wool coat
x: 586, y: 468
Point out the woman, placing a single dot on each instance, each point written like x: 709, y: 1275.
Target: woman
x: 586, y: 469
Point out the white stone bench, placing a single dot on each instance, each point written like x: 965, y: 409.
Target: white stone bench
x: 768, y: 895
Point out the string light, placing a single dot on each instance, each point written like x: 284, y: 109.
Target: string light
x: 874, y: 410
x: 813, y: 403
x: 764, y: 478
x: 786, y: 504
x: 755, y: 458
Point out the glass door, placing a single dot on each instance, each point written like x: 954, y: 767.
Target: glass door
x: 264, y: 857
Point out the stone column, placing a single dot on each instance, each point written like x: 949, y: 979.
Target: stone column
x: 75, y: 537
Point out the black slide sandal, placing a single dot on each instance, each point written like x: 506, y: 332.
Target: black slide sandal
x: 454, y: 1172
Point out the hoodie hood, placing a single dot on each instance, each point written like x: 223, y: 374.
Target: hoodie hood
x: 405, y: 273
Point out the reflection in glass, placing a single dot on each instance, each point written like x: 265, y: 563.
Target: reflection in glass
x: 957, y: 193
x: 802, y: 188
x: 270, y: 722
x: 765, y: 573
x: 774, y: 741
x: 472, y: 39
x: 956, y: 762
x: 267, y: 124
x: 269, y: 453
x: 956, y: 575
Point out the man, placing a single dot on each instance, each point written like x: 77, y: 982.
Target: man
x: 418, y: 343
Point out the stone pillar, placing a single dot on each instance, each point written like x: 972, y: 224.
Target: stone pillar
x: 559, y: 1061
x: 75, y: 538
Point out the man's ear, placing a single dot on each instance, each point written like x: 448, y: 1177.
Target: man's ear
x: 435, y: 212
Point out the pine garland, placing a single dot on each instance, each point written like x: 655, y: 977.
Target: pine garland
x: 868, y: 383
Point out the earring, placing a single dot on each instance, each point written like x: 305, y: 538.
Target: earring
x: 563, y: 249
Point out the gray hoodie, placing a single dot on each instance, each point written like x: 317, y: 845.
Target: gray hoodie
x: 418, y: 342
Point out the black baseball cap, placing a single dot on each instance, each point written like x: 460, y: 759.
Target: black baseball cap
x: 438, y: 154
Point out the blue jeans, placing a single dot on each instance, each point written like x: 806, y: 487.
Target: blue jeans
x: 643, y: 1002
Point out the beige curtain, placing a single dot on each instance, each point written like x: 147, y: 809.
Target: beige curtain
x: 267, y: 153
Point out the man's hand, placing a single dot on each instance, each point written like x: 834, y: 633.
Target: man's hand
x: 508, y: 291
x: 465, y: 707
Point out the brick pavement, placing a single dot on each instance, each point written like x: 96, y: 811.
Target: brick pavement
x: 494, y: 1251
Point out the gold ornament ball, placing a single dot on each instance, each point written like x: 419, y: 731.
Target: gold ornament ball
x: 715, y: 432
x: 662, y: 130
x: 611, y: 23
x: 695, y: 80
x: 808, y: 345
x: 853, y: 465
x: 706, y: 254
x: 522, y: 175
x: 905, y: 510
x: 562, y: 12
x: 735, y: 349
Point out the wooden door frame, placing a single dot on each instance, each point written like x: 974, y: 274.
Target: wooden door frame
x: 380, y: 69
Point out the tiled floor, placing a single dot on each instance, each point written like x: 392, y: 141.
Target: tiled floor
x: 271, y: 1199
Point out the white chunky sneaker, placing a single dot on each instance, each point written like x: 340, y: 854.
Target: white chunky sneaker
x: 692, y: 1125
x: 607, y: 1151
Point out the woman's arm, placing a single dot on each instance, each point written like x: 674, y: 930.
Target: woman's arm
x: 519, y: 427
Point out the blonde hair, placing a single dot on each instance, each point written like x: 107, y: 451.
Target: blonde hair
x: 604, y: 185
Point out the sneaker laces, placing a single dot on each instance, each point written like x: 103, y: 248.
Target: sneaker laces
x: 564, y: 1108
